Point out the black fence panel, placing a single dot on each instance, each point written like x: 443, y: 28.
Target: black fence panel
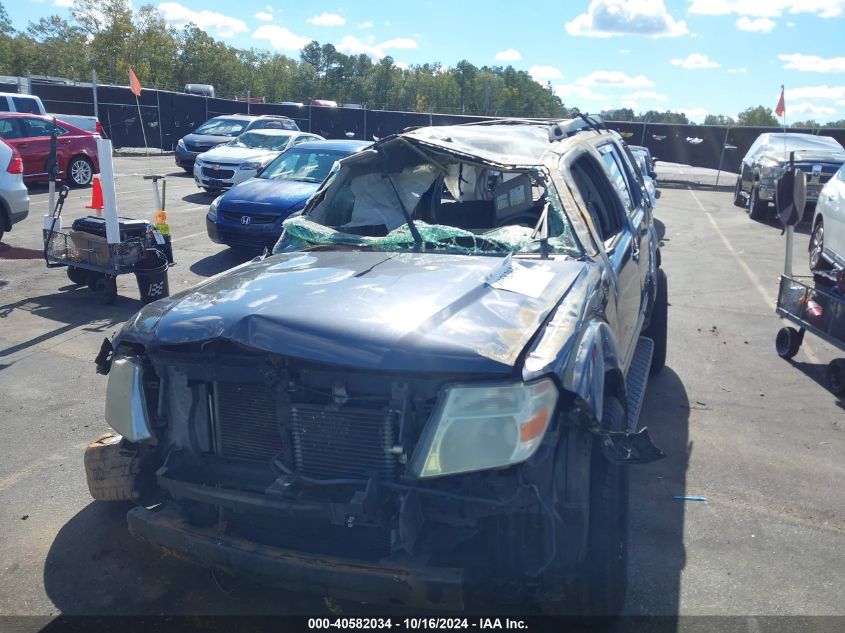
x: 160, y: 118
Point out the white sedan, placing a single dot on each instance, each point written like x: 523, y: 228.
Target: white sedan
x: 827, y: 241
x: 227, y: 165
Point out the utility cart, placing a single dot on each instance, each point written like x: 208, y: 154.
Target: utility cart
x: 95, y: 250
x: 814, y: 304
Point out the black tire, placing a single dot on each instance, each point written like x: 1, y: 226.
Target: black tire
x: 816, y: 248
x: 77, y: 276
x: 739, y: 199
x: 1, y: 235
x: 601, y: 582
x: 189, y: 170
x: 658, y: 326
x: 757, y: 209
x: 106, y: 289
x: 788, y: 342
x: 111, y: 470
x: 836, y: 376
x: 80, y: 172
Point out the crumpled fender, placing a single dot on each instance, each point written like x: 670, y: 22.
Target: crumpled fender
x: 577, y: 345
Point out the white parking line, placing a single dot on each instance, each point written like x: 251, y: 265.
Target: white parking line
x: 186, y: 237
x: 767, y: 297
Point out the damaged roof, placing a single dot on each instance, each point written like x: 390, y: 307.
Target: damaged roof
x: 515, y: 142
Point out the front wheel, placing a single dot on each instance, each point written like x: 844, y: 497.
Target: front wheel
x: 757, y: 209
x: 602, y: 578
x: 80, y: 172
x: 817, y: 260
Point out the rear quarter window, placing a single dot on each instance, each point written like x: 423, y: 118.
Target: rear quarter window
x: 26, y: 104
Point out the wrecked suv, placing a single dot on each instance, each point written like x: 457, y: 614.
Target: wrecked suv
x: 428, y: 394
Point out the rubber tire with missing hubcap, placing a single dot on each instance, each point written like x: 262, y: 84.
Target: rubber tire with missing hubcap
x: 104, y: 287
x: 77, y: 276
x: 817, y: 260
x: 602, y: 577
x: 788, y: 342
x: 757, y: 209
x: 836, y: 376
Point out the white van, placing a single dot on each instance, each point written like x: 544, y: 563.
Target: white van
x: 14, y: 102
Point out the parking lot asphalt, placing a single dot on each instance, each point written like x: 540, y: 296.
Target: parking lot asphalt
x: 759, y: 437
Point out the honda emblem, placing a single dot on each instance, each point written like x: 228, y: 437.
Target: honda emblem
x: 245, y: 219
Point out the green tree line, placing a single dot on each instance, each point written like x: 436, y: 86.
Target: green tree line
x: 109, y: 36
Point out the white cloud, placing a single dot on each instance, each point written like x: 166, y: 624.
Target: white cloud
x: 809, y: 108
x: 366, y: 25
x: 735, y: 71
x: 399, y: 42
x: 327, y: 19
x: 790, y: 24
x: 624, y: 51
x: 606, y: 18
x: 280, y: 38
x: 401, y: 65
x: 614, y: 79
x: 544, y: 73
x: 567, y: 91
x: 63, y: 3
x: 509, y: 55
x: 179, y: 15
x: 694, y: 114
x: 264, y: 16
x: 840, y: 102
x: 760, y: 25
x: 815, y: 92
x: 768, y: 8
x: 813, y: 63
x: 351, y: 45
x: 695, y: 61
x: 645, y: 95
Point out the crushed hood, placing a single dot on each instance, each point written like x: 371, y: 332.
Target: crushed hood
x: 364, y: 309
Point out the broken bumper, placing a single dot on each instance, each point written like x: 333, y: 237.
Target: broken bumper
x: 164, y: 526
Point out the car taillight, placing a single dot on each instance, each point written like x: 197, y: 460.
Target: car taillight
x: 16, y: 164
x: 99, y: 129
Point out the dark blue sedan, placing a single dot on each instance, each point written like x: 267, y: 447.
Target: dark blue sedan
x: 250, y: 215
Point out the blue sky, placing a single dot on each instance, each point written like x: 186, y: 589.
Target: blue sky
x: 696, y: 56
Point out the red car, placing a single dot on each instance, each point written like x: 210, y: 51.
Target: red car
x: 76, y: 149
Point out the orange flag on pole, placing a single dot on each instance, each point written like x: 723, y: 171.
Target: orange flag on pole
x: 780, y: 109
x: 134, y: 84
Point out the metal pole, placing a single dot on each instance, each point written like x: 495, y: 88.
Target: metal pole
x: 721, y: 158
x: 160, y: 131
x: 309, y: 117
x: 365, y: 122
x: 94, y: 90
x: 248, y: 93
x: 790, y: 236
x: 645, y: 124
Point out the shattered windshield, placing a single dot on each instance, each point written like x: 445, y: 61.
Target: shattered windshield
x: 407, y: 201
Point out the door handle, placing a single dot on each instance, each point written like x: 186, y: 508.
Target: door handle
x: 635, y: 252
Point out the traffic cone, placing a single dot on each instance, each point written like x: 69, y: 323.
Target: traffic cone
x: 96, y: 196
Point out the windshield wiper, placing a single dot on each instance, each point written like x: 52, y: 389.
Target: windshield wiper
x: 418, y: 242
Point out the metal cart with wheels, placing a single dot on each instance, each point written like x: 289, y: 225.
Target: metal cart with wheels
x: 815, y: 304
x: 90, y: 260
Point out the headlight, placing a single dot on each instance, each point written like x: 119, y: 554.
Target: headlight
x: 772, y: 171
x: 126, y: 405
x: 484, y: 426
x: 180, y: 144
x: 253, y: 165
x: 212, y: 208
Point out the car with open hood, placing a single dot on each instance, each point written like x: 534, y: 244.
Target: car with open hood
x: 222, y: 129
x: 250, y: 215
x: 244, y: 157
x: 818, y: 156
x: 428, y: 393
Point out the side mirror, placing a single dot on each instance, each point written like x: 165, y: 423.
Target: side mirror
x: 791, y: 196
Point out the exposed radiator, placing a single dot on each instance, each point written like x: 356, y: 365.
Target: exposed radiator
x: 342, y: 442
x: 247, y: 421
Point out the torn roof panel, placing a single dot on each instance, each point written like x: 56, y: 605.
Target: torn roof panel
x: 516, y: 145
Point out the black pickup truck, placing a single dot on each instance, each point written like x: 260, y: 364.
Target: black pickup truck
x: 429, y: 392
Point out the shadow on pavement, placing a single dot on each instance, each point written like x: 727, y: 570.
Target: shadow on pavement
x: 95, y: 567
x: 698, y: 186
x: 656, y: 554
x: 224, y: 260
x: 817, y: 372
x: 7, y: 251
x: 199, y: 197
x: 70, y: 307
